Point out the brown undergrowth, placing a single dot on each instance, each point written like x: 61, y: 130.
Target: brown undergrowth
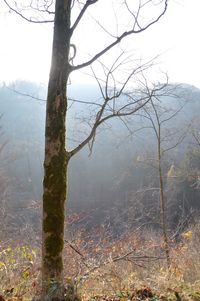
x: 132, y: 267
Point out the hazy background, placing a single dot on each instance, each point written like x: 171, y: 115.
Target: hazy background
x: 25, y: 51
x: 115, y: 183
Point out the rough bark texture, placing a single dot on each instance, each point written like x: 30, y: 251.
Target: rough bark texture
x: 55, y: 163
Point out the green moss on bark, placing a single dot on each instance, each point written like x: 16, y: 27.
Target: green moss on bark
x: 53, y: 223
x: 54, y: 264
x: 55, y: 164
x: 55, y: 176
x: 55, y: 183
x: 54, y: 245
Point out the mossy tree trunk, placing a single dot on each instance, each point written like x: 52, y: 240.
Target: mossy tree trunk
x: 56, y: 157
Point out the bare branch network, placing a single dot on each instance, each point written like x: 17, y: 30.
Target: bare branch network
x: 41, y: 11
x: 120, y: 103
x: 117, y: 100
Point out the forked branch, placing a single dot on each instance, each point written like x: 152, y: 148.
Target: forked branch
x: 127, y: 108
x: 120, y: 38
x: 19, y: 13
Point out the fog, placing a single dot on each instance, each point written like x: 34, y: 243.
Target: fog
x: 116, y: 183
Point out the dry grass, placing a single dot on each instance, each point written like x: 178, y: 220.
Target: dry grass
x: 130, y: 268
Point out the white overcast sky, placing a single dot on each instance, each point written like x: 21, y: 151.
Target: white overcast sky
x: 25, y: 49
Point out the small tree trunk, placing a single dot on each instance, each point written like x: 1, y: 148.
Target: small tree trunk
x: 162, y: 204
x: 163, y: 218
x: 56, y: 159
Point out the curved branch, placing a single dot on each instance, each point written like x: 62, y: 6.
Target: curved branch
x: 87, y: 4
x: 25, y: 18
x: 100, y: 120
x: 119, y: 39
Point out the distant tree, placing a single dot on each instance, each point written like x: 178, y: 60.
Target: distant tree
x: 66, y: 20
x: 3, y: 186
x: 188, y: 182
x: 186, y: 185
x: 159, y: 118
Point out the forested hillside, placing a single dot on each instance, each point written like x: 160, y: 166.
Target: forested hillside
x: 99, y: 166
x: 117, y: 180
x: 114, y: 207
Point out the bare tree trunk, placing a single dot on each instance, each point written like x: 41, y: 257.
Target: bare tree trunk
x: 162, y: 202
x: 56, y: 157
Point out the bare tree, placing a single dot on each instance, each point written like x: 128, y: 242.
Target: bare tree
x: 195, y: 132
x: 3, y: 186
x: 66, y: 20
x: 158, y: 115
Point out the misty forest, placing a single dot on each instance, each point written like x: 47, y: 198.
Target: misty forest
x: 99, y: 180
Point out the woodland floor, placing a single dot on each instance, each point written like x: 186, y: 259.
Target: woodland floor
x: 132, y: 267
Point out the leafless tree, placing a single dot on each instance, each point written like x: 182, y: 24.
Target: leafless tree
x: 67, y: 17
x: 3, y: 186
x: 158, y: 115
